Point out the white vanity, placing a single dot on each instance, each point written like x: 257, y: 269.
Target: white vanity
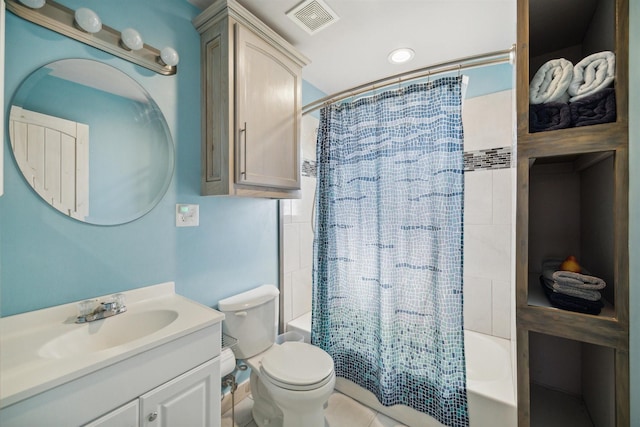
x: 157, y: 364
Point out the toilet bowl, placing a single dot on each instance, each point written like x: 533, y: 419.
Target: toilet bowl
x: 290, y: 381
x: 290, y: 384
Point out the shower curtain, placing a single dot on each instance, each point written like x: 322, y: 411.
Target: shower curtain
x: 387, y: 285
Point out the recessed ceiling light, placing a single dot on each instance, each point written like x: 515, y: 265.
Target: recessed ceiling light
x: 402, y: 55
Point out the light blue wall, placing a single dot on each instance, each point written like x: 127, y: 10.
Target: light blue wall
x: 634, y: 206
x: 48, y: 259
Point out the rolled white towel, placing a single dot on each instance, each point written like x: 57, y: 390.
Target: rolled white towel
x: 593, y: 73
x: 551, y: 81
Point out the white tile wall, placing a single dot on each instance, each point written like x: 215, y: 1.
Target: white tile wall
x: 503, y: 189
x: 488, y: 258
x: 308, y: 135
x: 478, y: 196
x: 477, y: 304
x: 487, y: 121
x: 301, y: 288
x: 501, y: 308
x: 488, y: 208
x: 487, y: 251
x: 291, y: 247
x: 298, y: 234
x: 488, y: 219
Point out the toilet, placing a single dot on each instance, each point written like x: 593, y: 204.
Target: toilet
x: 291, y: 381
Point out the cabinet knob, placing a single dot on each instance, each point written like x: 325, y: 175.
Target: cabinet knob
x: 152, y: 416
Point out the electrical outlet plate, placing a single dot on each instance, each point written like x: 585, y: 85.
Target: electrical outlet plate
x: 187, y: 215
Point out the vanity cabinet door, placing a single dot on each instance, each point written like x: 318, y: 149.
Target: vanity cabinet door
x: 124, y: 416
x: 192, y: 399
x: 268, y: 88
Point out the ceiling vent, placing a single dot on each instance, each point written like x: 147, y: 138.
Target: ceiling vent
x: 313, y: 15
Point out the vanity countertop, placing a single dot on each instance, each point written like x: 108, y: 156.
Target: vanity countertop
x: 45, y: 348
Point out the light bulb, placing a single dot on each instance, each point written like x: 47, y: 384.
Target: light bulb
x: 169, y: 56
x: 88, y: 20
x: 131, y: 39
x: 33, y: 4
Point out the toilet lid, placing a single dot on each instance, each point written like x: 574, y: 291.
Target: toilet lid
x: 297, y: 364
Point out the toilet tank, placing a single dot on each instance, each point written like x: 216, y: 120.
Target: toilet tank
x: 252, y: 318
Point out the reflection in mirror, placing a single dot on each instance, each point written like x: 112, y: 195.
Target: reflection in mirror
x: 91, y: 141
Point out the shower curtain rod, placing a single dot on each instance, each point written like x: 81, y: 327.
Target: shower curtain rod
x: 496, y: 57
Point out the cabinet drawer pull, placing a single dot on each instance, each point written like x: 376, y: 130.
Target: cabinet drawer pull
x: 152, y: 416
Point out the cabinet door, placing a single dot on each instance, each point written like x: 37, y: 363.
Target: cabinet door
x: 192, y: 399
x: 268, y: 114
x: 124, y: 416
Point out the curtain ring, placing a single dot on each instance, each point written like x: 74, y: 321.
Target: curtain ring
x: 459, y: 68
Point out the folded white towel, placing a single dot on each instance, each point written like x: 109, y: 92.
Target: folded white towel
x: 551, y: 82
x: 593, y: 73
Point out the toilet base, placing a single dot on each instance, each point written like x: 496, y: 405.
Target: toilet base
x: 265, y: 412
x: 288, y: 413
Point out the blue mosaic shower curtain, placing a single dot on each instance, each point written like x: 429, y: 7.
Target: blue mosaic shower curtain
x: 387, y: 290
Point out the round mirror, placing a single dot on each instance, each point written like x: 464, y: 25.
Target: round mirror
x: 91, y: 141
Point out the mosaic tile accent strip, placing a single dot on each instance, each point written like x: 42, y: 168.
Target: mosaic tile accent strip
x: 309, y: 168
x: 488, y: 159
x: 491, y: 158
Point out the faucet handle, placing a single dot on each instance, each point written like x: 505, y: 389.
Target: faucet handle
x: 85, y: 307
x: 119, y: 300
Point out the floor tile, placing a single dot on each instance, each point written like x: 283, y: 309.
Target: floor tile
x: 382, y: 420
x: 343, y: 411
x: 243, y: 416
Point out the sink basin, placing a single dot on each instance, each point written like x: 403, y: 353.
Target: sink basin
x: 44, y: 349
x: 107, y: 333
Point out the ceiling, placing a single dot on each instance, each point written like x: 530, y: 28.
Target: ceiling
x: 354, y: 49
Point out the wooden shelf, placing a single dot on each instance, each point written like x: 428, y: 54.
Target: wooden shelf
x: 537, y: 298
x: 557, y: 409
x: 572, y: 198
x: 539, y: 316
x: 576, y: 140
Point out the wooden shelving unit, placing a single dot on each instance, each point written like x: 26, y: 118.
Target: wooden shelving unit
x: 572, y: 198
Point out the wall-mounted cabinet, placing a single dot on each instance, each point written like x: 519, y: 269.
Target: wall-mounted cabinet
x: 251, y: 106
x: 572, y: 199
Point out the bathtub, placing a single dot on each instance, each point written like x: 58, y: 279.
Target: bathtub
x: 490, y: 385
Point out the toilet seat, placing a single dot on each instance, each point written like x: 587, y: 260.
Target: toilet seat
x: 297, y: 366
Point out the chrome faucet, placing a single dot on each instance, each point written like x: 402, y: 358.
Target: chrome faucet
x: 89, y: 313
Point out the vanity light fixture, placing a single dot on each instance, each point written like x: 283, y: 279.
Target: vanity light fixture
x: 131, y: 39
x: 88, y: 20
x: 33, y: 4
x: 85, y: 26
x: 402, y: 55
